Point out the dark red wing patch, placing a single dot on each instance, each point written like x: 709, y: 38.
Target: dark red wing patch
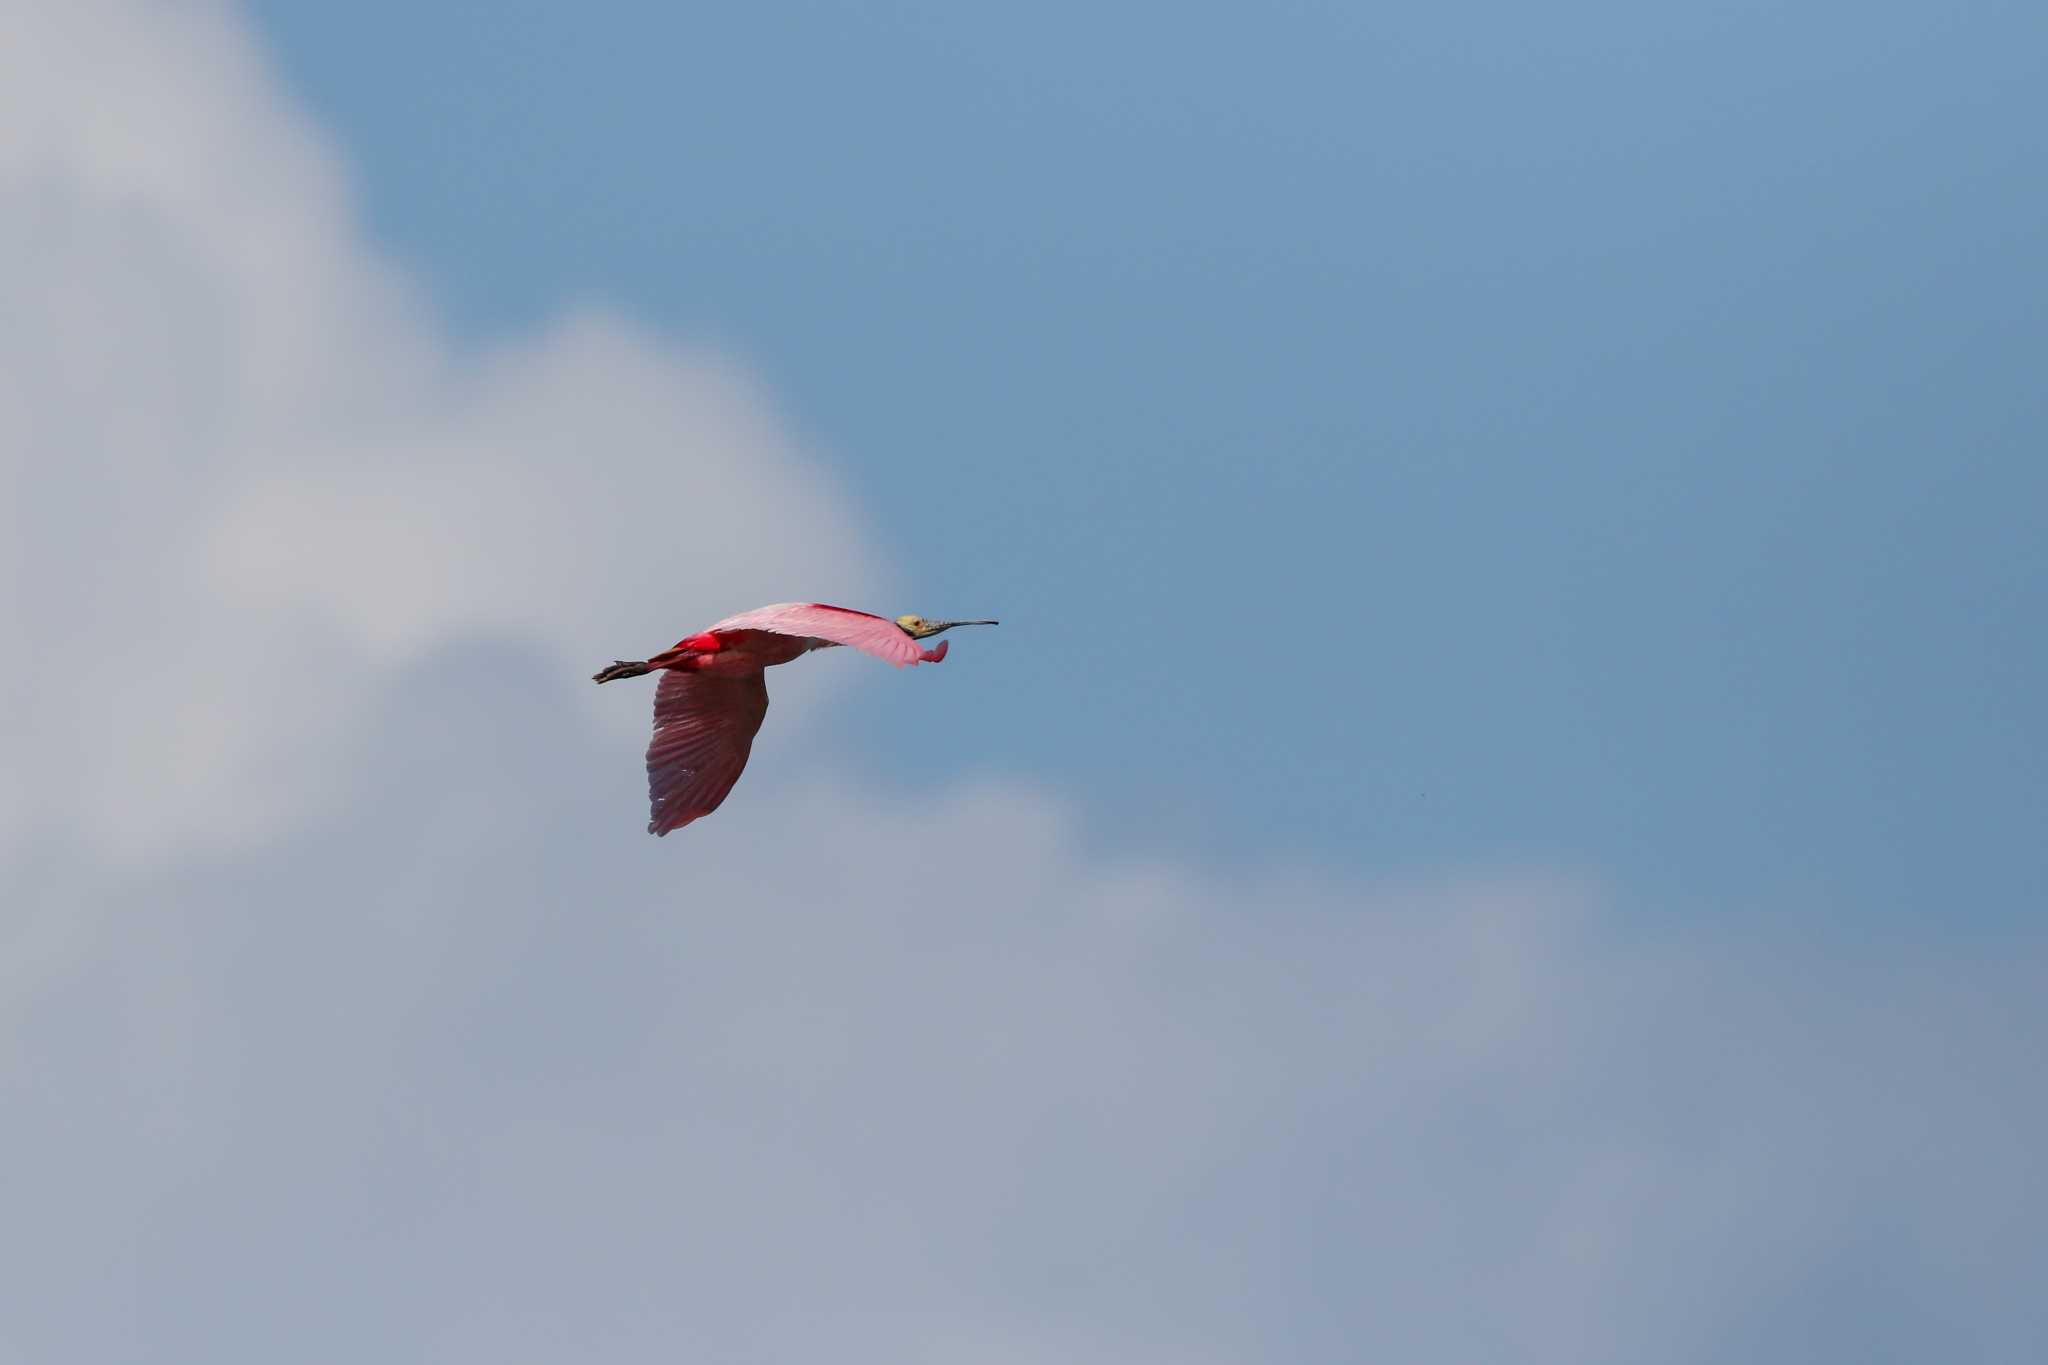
x: 704, y: 728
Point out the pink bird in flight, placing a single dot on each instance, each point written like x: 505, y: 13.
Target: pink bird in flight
x: 713, y: 697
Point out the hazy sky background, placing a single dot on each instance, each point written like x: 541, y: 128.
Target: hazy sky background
x: 1611, y: 431
x: 1503, y: 820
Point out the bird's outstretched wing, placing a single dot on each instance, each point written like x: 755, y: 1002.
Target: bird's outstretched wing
x: 704, y: 728
x: 876, y: 635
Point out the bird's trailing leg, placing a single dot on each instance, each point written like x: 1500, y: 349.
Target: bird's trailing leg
x: 679, y: 656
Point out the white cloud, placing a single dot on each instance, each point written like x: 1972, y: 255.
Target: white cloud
x: 345, y: 1012
x: 249, y: 477
x: 927, y: 1081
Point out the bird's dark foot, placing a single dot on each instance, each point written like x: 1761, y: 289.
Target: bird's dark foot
x: 621, y: 668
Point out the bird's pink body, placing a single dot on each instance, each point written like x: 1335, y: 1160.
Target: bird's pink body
x: 736, y: 653
x: 712, y: 698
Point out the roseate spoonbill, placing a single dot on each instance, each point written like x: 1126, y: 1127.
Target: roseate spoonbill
x: 712, y: 696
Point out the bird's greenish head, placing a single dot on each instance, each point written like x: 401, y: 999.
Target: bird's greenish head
x: 917, y: 628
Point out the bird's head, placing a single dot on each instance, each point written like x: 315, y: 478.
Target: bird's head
x: 917, y: 628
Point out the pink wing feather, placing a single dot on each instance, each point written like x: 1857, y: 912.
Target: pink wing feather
x: 876, y: 635
x: 704, y: 728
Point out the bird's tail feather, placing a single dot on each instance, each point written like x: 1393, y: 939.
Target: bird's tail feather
x: 622, y: 668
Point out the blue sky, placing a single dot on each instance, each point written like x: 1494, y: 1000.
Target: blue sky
x: 1603, y: 433
x: 1502, y: 821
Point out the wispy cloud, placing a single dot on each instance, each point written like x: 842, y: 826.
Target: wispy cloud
x: 250, y: 478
